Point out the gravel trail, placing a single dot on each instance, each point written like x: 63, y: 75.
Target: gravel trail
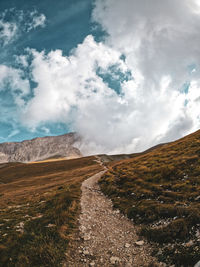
x: 106, y: 237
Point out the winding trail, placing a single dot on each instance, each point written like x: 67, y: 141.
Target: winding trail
x: 106, y: 237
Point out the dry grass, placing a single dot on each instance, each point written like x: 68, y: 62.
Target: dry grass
x: 39, y: 210
x: 160, y: 190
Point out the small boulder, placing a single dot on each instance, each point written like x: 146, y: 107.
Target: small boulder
x: 86, y: 252
x: 127, y: 245
x: 189, y: 244
x: 139, y: 243
x: 86, y: 237
x: 50, y: 225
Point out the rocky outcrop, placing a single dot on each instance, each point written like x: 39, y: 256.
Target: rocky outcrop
x: 40, y: 148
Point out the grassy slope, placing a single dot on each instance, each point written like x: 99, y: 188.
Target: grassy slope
x: 39, y: 207
x: 161, y: 191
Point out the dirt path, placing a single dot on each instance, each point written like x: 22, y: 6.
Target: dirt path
x: 106, y: 238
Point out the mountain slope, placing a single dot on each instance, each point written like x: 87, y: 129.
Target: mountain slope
x: 40, y: 148
x: 39, y: 208
x: 160, y: 190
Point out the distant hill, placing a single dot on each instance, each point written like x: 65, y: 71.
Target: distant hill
x: 40, y: 148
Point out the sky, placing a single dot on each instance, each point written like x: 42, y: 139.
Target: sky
x: 123, y: 74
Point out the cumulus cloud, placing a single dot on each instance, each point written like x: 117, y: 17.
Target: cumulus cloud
x: 7, y: 31
x: 13, y: 23
x: 67, y: 84
x: 14, y: 89
x: 70, y: 90
x: 139, y: 87
x: 12, y: 79
x: 160, y: 42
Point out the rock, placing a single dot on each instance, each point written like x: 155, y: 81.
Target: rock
x: 86, y: 252
x: 127, y: 245
x: 197, y: 264
x: 92, y: 264
x: 50, y: 225
x: 86, y: 237
x: 37, y: 217
x: 20, y: 227
x: 189, y: 244
x: 21, y: 224
x: 139, y: 243
x: 40, y: 148
x: 20, y: 231
x: 114, y: 260
x: 82, y: 228
x: 197, y: 234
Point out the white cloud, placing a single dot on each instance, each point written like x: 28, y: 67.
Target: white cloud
x: 22, y: 61
x: 69, y: 90
x: 19, y: 22
x: 158, y: 37
x: 38, y: 20
x: 7, y: 32
x: 160, y: 40
x: 12, y: 79
x: 159, y: 101
x: 67, y: 84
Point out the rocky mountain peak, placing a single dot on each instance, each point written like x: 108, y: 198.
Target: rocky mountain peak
x: 41, y: 148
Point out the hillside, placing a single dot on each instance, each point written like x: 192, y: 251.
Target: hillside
x: 39, y: 207
x: 40, y: 148
x: 160, y: 191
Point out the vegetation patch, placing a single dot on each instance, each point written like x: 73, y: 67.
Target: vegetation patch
x: 160, y: 190
x: 40, y: 205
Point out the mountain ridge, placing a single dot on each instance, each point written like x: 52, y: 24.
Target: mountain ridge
x: 40, y: 148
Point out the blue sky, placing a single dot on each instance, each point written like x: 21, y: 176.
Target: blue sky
x: 67, y: 24
x: 121, y: 74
